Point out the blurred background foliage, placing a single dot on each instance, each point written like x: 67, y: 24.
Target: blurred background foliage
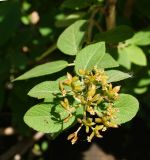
x: 28, y: 33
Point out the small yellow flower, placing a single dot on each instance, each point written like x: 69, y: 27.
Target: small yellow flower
x: 96, y: 97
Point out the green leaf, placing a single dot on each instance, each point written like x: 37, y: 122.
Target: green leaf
x: 123, y: 58
x: 76, y: 4
x: 44, y: 89
x: 107, y: 62
x: 141, y: 38
x: 44, y: 118
x: 135, y: 55
x: 70, y: 41
x: 44, y: 69
x: 128, y: 107
x: 115, y: 35
x: 66, y: 20
x: 115, y: 75
x: 90, y: 56
x: 140, y: 90
x: 144, y: 82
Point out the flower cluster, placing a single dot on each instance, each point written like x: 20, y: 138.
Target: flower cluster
x: 96, y: 97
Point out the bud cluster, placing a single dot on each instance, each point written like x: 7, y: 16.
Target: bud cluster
x: 91, y: 92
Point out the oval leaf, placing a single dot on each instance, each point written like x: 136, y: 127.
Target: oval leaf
x: 134, y: 54
x: 70, y: 41
x: 107, y: 62
x: 141, y: 38
x: 123, y: 58
x: 128, y: 107
x: 115, y: 75
x: 44, y: 69
x: 90, y: 56
x: 43, y: 118
x: 44, y: 89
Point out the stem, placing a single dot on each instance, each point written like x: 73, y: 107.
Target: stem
x: 110, y: 14
x: 91, y: 24
x: 47, y: 52
x: 79, y: 128
x: 71, y: 64
x: 98, y: 26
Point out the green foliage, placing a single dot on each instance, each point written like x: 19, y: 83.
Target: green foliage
x: 107, y: 62
x: 140, y: 38
x: 115, y: 75
x: 115, y: 35
x: 44, y: 90
x: 56, y: 113
x: 44, y: 69
x: 128, y: 107
x: 123, y: 58
x: 47, y: 118
x: 90, y: 56
x: 79, y: 29
x: 70, y: 41
x: 134, y: 54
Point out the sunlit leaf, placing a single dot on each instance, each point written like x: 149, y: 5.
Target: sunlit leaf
x: 128, y: 107
x: 90, y: 56
x: 70, y: 41
x: 43, y: 118
x: 44, y: 69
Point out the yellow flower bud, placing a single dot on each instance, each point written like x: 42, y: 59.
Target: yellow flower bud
x: 91, y: 91
x: 74, y: 140
x: 116, y: 89
x: 89, y: 138
x: 69, y: 76
x: 98, y: 120
x: 82, y: 72
x: 77, y: 88
x: 72, y: 135
x: 75, y: 78
x: 90, y: 110
x: 87, y: 129
x: 79, y: 120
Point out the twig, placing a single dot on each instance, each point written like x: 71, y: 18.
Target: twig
x: 98, y: 26
x: 91, y: 24
x: 46, y: 53
x: 128, y: 8
x: 21, y: 147
x: 110, y: 14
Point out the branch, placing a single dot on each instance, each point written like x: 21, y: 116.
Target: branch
x: 46, y: 53
x: 110, y: 14
x: 91, y: 24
